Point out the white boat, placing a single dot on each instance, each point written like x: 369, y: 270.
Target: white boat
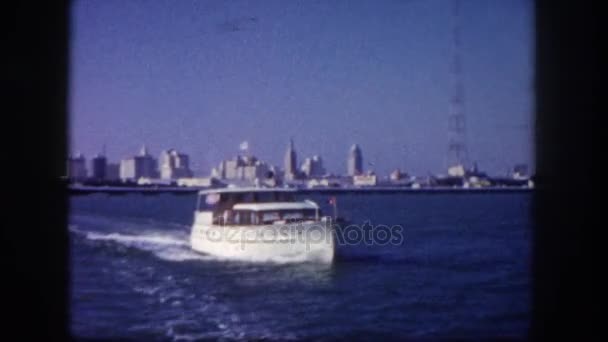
x: 261, y: 225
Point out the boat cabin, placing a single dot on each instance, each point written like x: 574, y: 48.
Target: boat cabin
x: 253, y: 206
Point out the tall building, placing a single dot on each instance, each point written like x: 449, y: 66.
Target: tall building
x: 112, y: 171
x: 259, y: 170
x: 174, y: 165
x: 139, y: 166
x: 291, y: 170
x: 355, y: 161
x: 313, y: 167
x: 234, y: 168
x: 98, y: 167
x: 243, y: 168
x: 77, y: 168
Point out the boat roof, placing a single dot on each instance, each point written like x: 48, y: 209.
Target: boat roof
x: 244, y: 189
x: 276, y: 206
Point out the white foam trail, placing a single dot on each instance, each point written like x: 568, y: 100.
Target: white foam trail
x: 135, y: 240
x: 173, y: 246
x: 183, y: 255
x: 164, y: 246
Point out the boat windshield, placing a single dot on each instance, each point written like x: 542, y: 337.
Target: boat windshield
x: 223, y: 201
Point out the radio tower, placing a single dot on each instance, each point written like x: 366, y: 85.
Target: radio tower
x: 457, y: 147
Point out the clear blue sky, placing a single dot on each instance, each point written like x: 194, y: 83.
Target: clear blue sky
x: 203, y: 76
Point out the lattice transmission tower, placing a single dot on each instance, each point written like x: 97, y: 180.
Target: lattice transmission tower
x: 457, y: 142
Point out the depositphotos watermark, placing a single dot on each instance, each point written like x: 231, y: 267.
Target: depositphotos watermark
x: 308, y: 234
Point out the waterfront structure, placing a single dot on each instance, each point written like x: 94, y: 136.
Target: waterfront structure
x: 174, y: 165
x: 456, y: 171
x: 313, y: 167
x: 139, y: 166
x: 201, y: 182
x: 76, y: 168
x: 520, y: 171
x: 323, y: 183
x: 475, y: 172
x: 317, y: 183
x: 155, y: 181
x: 98, y: 167
x: 290, y: 162
x: 365, y: 180
x: 396, y: 175
x: 355, y: 161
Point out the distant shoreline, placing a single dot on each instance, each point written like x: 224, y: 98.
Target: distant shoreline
x: 84, y: 190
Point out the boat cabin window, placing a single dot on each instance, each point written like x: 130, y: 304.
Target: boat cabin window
x: 289, y: 216
x: 245, y: 217
x: 248, y: 217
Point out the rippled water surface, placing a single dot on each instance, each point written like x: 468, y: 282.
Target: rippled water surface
x: 462, y: 270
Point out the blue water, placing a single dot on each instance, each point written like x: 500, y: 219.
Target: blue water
x: 461, y: 271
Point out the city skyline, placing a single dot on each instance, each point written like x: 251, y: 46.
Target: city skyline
x: 173, y: 164
x: 202, y: 77
x: 297, y: 167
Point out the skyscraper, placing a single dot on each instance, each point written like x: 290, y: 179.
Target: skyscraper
x: 290, y: 162
x: 313, y: 167
x: 243, y: 168
x: 140, y: 166
x: 355, y: 161
x: 77, y: 169
x: 112, y: 171
x: 98, y: 167
x: 174, y: 165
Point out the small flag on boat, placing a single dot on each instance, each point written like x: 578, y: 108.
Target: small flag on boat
x: 244, y: 146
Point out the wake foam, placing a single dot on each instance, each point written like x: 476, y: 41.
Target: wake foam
x: 138, y: 240
x: 169, y: 246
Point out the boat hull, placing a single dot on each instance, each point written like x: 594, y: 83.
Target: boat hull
x: 283, y: 243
